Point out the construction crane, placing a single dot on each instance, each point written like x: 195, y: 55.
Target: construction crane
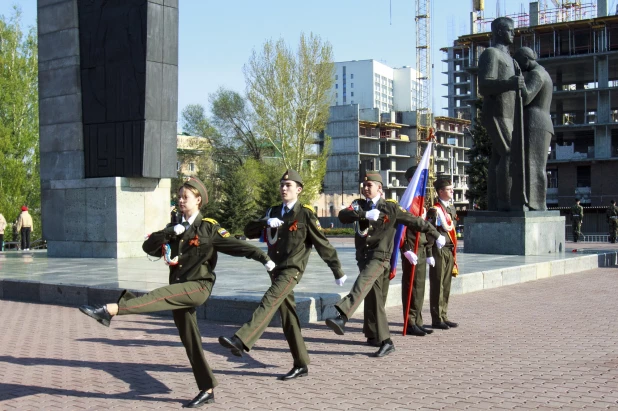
x: 424, y: 118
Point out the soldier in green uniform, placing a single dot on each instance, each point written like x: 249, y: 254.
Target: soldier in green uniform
x: 375, y: 222
x: 290, y: 229
x: 440, y: 275
x: 421, y: 258
x: 612, y: 219
x: 190, y: 249
x: 577, y: 215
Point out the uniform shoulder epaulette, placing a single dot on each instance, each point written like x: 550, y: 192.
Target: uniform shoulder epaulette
x: 210, y: 220
x: 309, y: 207
x: 390, y: 200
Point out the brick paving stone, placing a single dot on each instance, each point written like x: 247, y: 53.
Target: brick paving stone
x: 518, y: 347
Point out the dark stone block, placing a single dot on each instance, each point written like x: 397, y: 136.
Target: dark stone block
x: 21, y: 290
x: 62, y: 137
x: 123, y: 95
x: 168, y: 149
x: 60, y: 109
x: 64, y: 294
x: 170, y: 40
x: 62, y: 165
x: 65, y: 80
x: 58, y: 44
x: 152, y: 149
x: 52, y: 214
x: 154, y: 90
x: 154, y: 51
x: 57, y: 16
x: 171, y: 3
x: 169, y: 97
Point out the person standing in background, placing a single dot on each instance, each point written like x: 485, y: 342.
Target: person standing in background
x: 577, y: 215
x: 25, y: 227
x: 2, y: 227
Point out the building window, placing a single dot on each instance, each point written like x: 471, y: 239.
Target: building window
x: 177, y: 165
x: 336, y: 85
x: 351, y: 85
x: 352, y: 94
x: 351, y: 101
x: 583, y: 176
x: 351, y: 76
x: 192, y: 166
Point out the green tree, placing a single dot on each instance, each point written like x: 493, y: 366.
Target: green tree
x: 235, y: 204
x: 194, y: 121
x: 19, y: 121
x: 479, y: 155
x: 235, y: 122
x: 290, y: 93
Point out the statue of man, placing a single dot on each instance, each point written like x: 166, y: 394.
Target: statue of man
x: 498, y: 84
x: 538, y: 128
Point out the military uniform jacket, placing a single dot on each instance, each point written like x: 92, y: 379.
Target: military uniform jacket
x: 577, y: 211
x: 612, y: 214
x: 374, y: 239
x: 453, y: 214
x: 290, y: 244
x: 197, y: 249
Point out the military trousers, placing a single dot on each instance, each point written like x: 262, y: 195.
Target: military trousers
x: 182, y: 299
x: 279, y: 297
x: 440, y: 277
x: 576, y: 224
x: 613, y: 230
x: 372, y: 287
x: 415, y: 316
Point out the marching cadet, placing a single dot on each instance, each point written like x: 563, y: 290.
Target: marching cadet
x: 375, y: 221
x: 290, y: 229
x: 445, y: 267
x: 421, y: 258
x: 577, y: 215
x: 612, y: 219
x: 190, y: 249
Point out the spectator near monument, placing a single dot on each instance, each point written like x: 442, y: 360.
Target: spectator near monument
x: 25, y: 227
x: 577, y: 216
x: 612, y: 220
x: 2, y: 227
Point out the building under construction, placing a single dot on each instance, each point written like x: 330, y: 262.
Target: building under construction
x: 577, y: 43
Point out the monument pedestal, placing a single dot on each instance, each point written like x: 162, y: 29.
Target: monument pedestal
x: 103, y: 217
x: 514, y: 233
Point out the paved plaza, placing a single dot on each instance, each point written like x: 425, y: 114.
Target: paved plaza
x: 545, y: 344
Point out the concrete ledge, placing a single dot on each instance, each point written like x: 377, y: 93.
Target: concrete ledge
x: 311, y: 307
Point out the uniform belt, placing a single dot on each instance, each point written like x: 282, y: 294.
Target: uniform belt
x: 576, y: 215
x: 376, y: 254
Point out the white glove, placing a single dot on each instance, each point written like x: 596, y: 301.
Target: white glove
x: 431, y: 261
x: 412, y: 258
x: 372, y: 215
x: 440, y: 241
x: 179, y: 229
x: 341, y: 280
x: 269, y: 266
x: 274, y: 222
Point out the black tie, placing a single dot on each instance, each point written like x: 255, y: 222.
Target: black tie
x: 285, y: 210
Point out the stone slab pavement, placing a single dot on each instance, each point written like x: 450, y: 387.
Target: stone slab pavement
x: 546, y: 344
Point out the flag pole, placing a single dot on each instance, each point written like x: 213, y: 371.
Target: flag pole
x: 407, y: 316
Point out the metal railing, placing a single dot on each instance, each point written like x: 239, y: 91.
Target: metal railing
x: 39, y: 244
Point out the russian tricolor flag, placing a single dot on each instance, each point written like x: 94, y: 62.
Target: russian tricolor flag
x: 412, y: 200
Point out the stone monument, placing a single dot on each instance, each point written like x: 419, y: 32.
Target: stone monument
x: 517, y: 98
x: 108, y: 102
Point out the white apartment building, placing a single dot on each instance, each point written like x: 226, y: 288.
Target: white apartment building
x: 371, y: 84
